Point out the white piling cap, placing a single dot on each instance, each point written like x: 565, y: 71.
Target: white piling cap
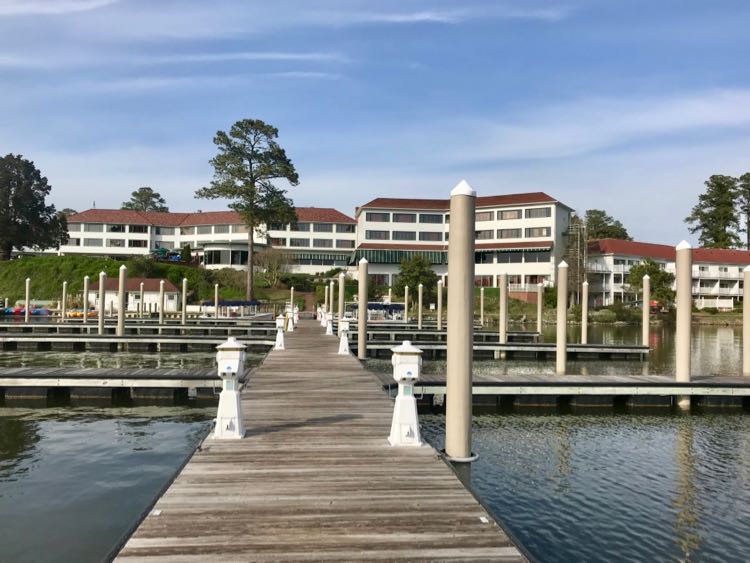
x: 646, y: 277
x: 420, y: 285
x: 342, y: 275
x: 86, y: 278
x: 141, y: 284
x: 586, y: 283
x: 123, y: 267
x: 363, y: 260
x: 562, y: 264
x: 184, y: 279
x: 684, y: 245
x: 161, y: 282
x: 463, y: 188
x: 102, y: 273
x: 440, y: 282
x: 231, y: 344
x: 406, y: 347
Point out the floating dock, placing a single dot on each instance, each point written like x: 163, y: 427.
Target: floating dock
x: 315, y: 479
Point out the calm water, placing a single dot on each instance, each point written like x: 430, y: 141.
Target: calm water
x: 100, y: 360
x: 616, y: 487
x: 73, y: 481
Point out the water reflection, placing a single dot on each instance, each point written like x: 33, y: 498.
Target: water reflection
x: 18, y: 438
x: 107, y: 360
x: 687, y: 536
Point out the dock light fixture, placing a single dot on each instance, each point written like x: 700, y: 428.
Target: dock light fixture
x: 289, y: 321
x: 407, y: 364
x: 230, y: 359
x: 344, y: 338
x: 329, y: 324
x: 279, y: 345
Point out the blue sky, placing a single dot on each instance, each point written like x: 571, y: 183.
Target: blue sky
x: 625, y: 105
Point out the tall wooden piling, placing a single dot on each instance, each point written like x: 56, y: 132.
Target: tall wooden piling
x: 460, y: 335
x: 420, y: 290
x: 562, y: 318
x: 161, y: 302
x: 342, y: 295
x: 102, y: 299
x: 440, y: 305
x: 684, y: 275
x: 85, y: 305
x: 746, y: 321
x: 585, y: 312
x: 539, y: 307
x: 184, y: 300
x: 481, y: 306
x: 121, y: 304
x: 362, y: 292
x: 406, y: 304
x: 27, y: 301
x: 646, y: 311
x: 64, y: 302
x: 502, y: 282
x: 142, y: 309
x: 216, y: 300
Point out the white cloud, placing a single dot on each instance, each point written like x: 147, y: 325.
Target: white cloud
x: 51, y: 7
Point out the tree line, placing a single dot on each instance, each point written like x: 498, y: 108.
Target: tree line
x: 722, y: 213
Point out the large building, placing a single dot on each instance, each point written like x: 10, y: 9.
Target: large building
x: 321, y: 238
x: 717, y: 273
x: 521, y: 235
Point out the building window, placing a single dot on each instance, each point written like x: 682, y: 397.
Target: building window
x: 300, y: 227
x: 239, y: 228
x: 74, y: 242
x: 138, y: 243
x: 537, y: 256
x: 238, y: 257
x: 431, y: 236
x: 277, y: 241
x: 116, y: 242
x: 211, y: 257
x: 536, y: 232
x: 509, y: 233
x: 164, y: 230
x: 322, y: 243
x: 484, y: 257
x: 509, y: 214
x: 165, y: 244
x: 323, y: 227
x: 377, y: 235
x: 483, y: 235
x: 430, y: 218
x: 404, y: 235
x: 221, y: 229
x: 404, y: 218
x: 345, y: 228
x: 344, y: 244
x: 378, y: 217
x: 483, y: 281
x: 539, y: 213
x: 93, y: 242
x: 187, y: 230
x: 484, y: 216
x: 203, y: 230
x: 93, y: 227
x: 299, y: 242
x: 115, y: 228
x: 138, y: 228
x: 509, y: 257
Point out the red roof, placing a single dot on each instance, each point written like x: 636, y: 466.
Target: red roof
x: 667, y: 253
x: 134, y: 284
x: 308, y: 214
x: 444, y: 204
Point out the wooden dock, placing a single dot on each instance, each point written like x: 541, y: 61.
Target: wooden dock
x: 315, y: 479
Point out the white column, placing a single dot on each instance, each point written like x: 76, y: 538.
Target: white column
x: 27, y: 301
x: 64, y: 302
x: 216, y: 301
x: 121, y: 300
x: 184, y: 300
x: 585, y: 312
x: 481, y: 306
x: 86, y: 281
x: 539, y: 307
x: 440, y: 304
x: 143, y: 305
x: 684, y: 275
x: 420, y: 290
x: 746, y: 321
x: 502, y: 282
x: 406, y: 304
x: 325, y: 297
x: 342, y: 278
x: 562, y: 318
x: 390, y: 295
x: 291, y: 298
x: 331, y: 291
x: 362, y: 310
x: 460, y: 336
x: 161, y: 302
x: 102, y: 299
x: 646, y: 311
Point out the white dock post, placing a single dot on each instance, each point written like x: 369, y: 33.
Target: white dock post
x: 684, y: 271
x: 746, y: 321
x: 331, y: 292
x: 362, y: 310
x: 121, y: 300
x: 102, y: 299
x: 64, y: 302
x: 502, y: 282
x: 539, y: 307
x: 279, y: 344
x: 27, y: 301
x: 420, y: 291
x: 646, y: 311
x: 585, y: 312
x: 481, y: 306
x: 184, y: 300
x: 458, y: 401
x: 344, y: 338
x: 342, y: 294
x: 406, y: 361
x: 325, y: 297
x: 142, y: 304
x: 390, y: 295
x: 329, y: 324
x: 562, y: 318
x: 440, y: 304
x: 291, y: 298
x: 85, y: 306
x: 216, y: 301
x: 406, y: 304
x: 161, y: 303
x: 230, y: 358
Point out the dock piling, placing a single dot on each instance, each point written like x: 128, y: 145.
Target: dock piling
x: 85, y: 304
x: 121, y: 305
x: 342, y: 295
x: 562, y: 318
x: 362, y: 310
x: 102, y: 299
x: 481, y: 306
x: 684, y: 275
x: 746, y: 325
x: 440, y: 304
x: 585, y: 312
x: 502, y: 282
x: 161, y: 304
x: 142, y: 305
x: 420, y: 290
x: 406, y: 304
x: 64, y: 302
x: 184, y: 301
x: 27, y: 301
x: 646, y: 311
x: 216, y: 300
x: 539, y: 307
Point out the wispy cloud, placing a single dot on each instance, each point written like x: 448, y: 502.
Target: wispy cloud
x: 53, y: 7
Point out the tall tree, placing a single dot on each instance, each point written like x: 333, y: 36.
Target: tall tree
x: 743, y: 205
x: 661, y: 280
x: 145, y: 199
x: 715, y: 215
x: 600, y: 225
x: 68, y: 211
x: 25, y: 218
x: 248, y: 162
x: 416, y: 270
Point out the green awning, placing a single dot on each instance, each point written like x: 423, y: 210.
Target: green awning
x: 382, y: 256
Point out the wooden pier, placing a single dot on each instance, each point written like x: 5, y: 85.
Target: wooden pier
x: 315, y: 479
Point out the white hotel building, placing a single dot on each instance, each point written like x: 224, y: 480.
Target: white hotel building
x: 521, y: 235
